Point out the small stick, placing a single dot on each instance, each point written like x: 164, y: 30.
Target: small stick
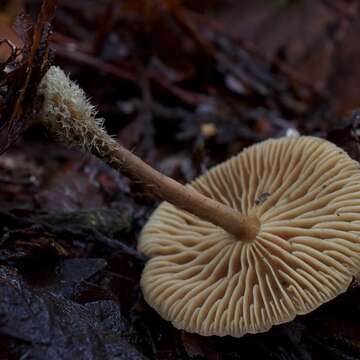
x: 69, y: 116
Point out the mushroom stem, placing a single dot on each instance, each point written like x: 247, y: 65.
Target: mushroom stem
x: 166, y: 188
x: 71, y: 118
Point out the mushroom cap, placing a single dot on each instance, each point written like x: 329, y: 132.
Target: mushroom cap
x: 306, y: 193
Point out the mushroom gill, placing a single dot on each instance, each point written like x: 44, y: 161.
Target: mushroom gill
x: 305, y: 192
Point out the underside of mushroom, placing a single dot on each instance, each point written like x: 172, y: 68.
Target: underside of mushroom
x: 305, y: 192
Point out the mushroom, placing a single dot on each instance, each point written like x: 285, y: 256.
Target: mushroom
x: 267, y: 235
x: 305, y: 192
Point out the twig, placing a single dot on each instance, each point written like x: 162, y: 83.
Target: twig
x: 186, y: 96
x: 282, y: 66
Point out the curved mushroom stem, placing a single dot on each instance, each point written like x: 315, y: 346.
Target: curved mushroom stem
x: 184, y: 197
x: 70, y: 117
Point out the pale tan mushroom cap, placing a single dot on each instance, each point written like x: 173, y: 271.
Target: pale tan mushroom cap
x: 306, y: 193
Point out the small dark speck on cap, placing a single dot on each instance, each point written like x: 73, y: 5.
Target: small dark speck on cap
x: 262, y: 198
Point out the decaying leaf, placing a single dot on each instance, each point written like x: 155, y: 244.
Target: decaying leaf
x: 20, y: 78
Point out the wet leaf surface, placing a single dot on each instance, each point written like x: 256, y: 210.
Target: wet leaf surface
x: 54, y: 327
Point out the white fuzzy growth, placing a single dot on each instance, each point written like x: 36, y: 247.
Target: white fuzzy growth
x: 57, y: 83
x: 67, y: 113
x: 292, y: 133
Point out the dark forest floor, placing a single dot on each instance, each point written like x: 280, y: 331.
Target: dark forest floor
x: 186, y: 87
